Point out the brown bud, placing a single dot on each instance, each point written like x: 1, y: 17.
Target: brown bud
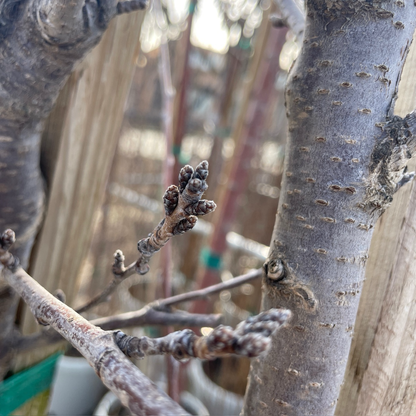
x: 170, y: 199
x: 201, y: 171
x: 201, y: 208
x: 185, y: 225
x: 184, y: 175
x: 197, y: 186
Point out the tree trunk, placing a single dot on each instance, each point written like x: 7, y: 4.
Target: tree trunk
x: 340, y: 175
x: 386, y: 244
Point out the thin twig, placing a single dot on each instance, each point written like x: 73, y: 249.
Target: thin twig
x: 143, y: 317
x: 151, y: 316
x: 120, y: 273
x: 181, y: 108
x: 260, y: 100
x: 168, y: 100
x: 210, y: 290
x: 250, y: 339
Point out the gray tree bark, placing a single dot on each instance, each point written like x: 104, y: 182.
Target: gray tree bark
x: 387, y: 243
x: 40, y: 43
x: 346, y: 157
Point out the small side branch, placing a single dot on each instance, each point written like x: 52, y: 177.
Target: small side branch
x: 210, y: 290
x: 250, y: 339
x: 150, y: 316
x: 183, y: 205
x: 143, y: 317
x: 120, y: 273
x: 388, y: 169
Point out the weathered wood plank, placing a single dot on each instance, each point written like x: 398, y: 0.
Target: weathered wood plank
x: 89, y: 138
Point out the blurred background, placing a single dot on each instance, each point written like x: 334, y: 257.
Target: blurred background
x: 207, y: 83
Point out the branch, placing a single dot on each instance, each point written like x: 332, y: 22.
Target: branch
x: 182, y: 207
x: 124, y: 379
x: 250, y: 339
x: 148, y: 315
x: 291, y: 16
x: 120, y: 273
x: 210, y: 290
x: 143, y: 317
x: 168, y: 101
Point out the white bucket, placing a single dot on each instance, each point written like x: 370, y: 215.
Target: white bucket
x: 76, y: 389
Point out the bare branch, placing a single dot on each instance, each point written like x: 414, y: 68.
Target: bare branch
x: 102, y: 348
x: 145, y: 316
x: 292, y: 16
x: 180, y: 204
x: 210, y: 290
x: 250, y: 339
x: 168, y: 105
x: 150, y: 316
x: 134, y: 390
x: 120, y: 273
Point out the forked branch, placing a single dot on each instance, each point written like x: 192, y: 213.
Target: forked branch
x: 155, y: 313
x: 208, y: 291
x: 250, y: 339
x: 183, y: 205
x: 143, y: 317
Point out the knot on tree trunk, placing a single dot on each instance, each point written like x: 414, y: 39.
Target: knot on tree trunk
x: 388, y: 167
x: 282, y: 281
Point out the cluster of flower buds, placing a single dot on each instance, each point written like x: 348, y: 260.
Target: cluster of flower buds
x: 250, y: 339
